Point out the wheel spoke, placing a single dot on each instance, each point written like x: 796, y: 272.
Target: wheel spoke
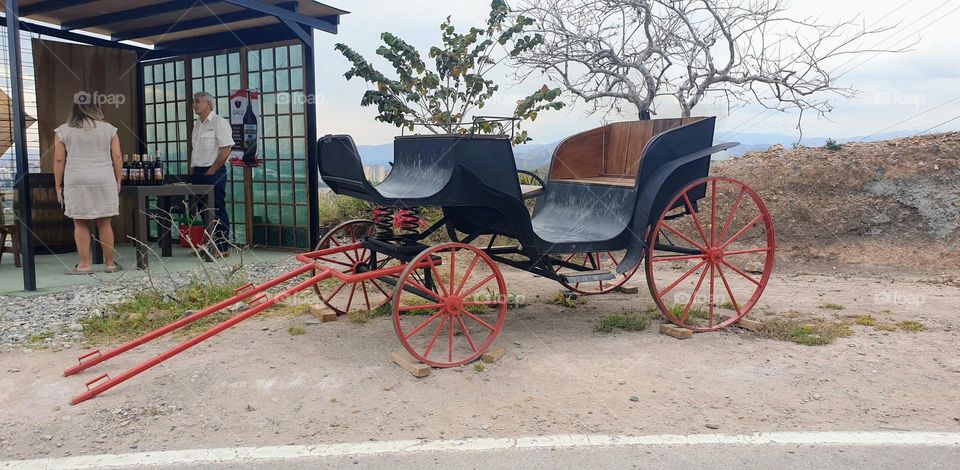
x: 696, y: 220
x: 405, y: 308
x: 353, y: 290
x: 335, y: 261
x: 481, y: 284
x: 685, y: 275
x: 478, y: 320
x: 341, y: 286
x: 744, y: 252
x: 741, y: 272
x: 466, y: 332
x: 713, y: 212
x: 726, y: 285
x: 366, y: 298
x: 345, y: 253
x: 443, y: 321
x: 424, y: 290
x: 742, y: 231
x: 374, y: 282
x: 485, y: 302
x: 676, y: 258
x: 736, y: 205
x: 453, y: 268
x: 693, y: 297
x: 476, y: 257
x: 450, y: 342
x: 681, y: 235
x: 710, y: 313
x: 439, y: 280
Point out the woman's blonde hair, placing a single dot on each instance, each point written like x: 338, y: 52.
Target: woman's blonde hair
x: 85, y: 114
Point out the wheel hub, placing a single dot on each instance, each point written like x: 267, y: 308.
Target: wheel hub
x: 715, y: 255
x: 453, y: 304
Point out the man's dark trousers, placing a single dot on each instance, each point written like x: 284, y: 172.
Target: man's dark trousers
x: 219, y: 182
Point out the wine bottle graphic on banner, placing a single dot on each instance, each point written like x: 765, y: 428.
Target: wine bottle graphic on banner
x: 250, y: 131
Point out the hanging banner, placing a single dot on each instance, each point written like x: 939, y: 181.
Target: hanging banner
x: 245, y: 121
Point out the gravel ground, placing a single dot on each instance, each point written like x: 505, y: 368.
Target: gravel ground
x: 60, y: 313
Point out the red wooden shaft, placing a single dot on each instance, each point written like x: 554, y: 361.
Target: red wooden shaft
x: 83, y: 365
x: 113, y: 382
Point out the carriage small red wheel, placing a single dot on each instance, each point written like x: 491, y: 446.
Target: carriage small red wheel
x: 449, y: 305
x: 711, y: 254
x: 342, y: 297
x: 601, y: 260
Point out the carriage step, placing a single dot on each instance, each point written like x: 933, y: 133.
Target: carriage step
x: 587, y: 276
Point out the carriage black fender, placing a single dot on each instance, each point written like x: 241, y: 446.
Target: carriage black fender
x: 642, y: 210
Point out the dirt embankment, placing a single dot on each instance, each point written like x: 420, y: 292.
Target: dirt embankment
x: 892, y: 203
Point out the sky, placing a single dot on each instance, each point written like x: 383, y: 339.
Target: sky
x: 908, y: 91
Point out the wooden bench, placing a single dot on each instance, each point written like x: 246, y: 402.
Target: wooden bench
x: 608, y: 155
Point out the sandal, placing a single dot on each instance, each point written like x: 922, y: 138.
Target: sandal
x: 116, y: 268
x: 77, y: 272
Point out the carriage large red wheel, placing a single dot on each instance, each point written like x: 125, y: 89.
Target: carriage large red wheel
x: 342, y: 297
x: 601, y: 260
x: 449, y: 305
x: 711, y: 254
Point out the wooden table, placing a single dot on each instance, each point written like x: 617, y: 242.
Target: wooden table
x: 165, y: 194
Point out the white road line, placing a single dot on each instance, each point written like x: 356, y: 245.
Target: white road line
x: 268, y: 453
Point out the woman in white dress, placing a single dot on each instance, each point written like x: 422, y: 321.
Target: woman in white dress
x: 87, y: 168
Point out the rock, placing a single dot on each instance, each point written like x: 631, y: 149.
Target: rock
x: 712, y: 426
x: 76, y: 327
x: 46, y: 437
x: 634, y: 398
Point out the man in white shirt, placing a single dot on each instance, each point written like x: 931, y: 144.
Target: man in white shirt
x: 212, y: 139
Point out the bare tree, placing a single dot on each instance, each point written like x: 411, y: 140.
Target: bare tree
x: 606, y: 52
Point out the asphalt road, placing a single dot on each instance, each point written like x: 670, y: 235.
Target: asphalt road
x: 686, y: 457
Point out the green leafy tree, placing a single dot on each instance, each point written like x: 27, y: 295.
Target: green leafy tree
x: 440, y: 98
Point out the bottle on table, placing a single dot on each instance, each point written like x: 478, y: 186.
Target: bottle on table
x: 147, y: 170
x: 136, y: 171
x: 125, y: 171
x: 158, y: 170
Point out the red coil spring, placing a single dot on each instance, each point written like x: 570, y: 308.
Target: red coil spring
x: 383, y: 218
x: 408, y: 220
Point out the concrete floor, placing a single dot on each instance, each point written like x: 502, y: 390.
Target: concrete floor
x: 50, y: 268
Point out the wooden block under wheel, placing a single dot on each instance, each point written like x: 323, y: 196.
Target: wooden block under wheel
x: 413, y: 366
x: 493, y: 354
x: 323, y: 313
x: 675, y: 331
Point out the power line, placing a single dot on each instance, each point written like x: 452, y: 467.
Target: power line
x: 938, y: 125
x: 911, y: 117
x: 878, y: 43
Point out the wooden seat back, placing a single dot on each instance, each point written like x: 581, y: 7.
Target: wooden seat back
x: 610, y: 154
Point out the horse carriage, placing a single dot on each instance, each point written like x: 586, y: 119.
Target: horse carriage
x: 616, y: 198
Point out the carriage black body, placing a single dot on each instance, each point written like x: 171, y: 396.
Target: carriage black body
x: 472, y: 178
